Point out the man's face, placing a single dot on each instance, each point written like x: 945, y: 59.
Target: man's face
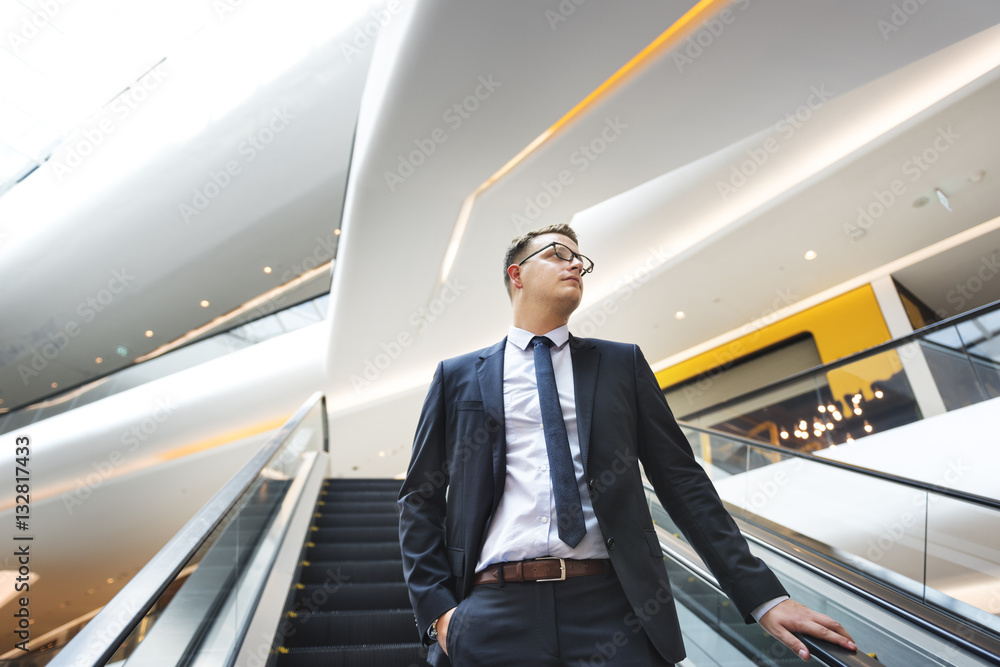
x: 547, y: 277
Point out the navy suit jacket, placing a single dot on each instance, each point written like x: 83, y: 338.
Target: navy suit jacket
x: 458, y: 468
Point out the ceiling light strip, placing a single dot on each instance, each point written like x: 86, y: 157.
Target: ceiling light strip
x: 678, y: 30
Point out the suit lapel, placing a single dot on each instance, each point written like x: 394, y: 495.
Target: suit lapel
x: 490, y: 371
x: 586, y: 359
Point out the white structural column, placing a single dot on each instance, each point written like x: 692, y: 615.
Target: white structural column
x: 915, y: 366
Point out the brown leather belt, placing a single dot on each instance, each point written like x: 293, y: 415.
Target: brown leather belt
x: 548, y: 568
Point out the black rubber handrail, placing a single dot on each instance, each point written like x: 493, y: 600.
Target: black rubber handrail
x: 972, y: 498
x: 102, y: 636
x: 844, y: 361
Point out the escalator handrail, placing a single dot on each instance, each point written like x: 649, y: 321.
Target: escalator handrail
x: 955, y: 494
x: 974, y: 639
x: 102, y: 636
x: 684, y: 554
x: 852, y: 358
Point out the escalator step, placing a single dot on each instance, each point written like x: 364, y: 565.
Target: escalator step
x: 326, y: 597
x: 335, y: 628
x: 372, y: 482
x: 344, y: 534
x: 403, y: 655
x: 359, y: 495
x: 353, y: 571
x: 361, y: 507
x: 355, y: 551
x: 327, y: 520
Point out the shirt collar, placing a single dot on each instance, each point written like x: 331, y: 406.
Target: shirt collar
x: 521, y: 338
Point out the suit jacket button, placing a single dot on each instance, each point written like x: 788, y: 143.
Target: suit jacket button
x: 591, y: 484
x: 611, y: 543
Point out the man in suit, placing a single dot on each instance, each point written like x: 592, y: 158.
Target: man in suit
x: 524, y: 528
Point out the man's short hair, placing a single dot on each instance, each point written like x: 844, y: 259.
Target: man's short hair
x: 519, y: 246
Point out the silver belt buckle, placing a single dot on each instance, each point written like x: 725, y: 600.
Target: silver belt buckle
x: 562, y: 568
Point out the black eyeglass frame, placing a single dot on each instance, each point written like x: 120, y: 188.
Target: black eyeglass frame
x: 573, y: 255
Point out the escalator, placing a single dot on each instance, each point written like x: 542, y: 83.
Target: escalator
x: 320, y: 583
x: 349, y: 607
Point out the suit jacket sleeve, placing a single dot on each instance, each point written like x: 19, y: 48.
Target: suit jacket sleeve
x: 690, y: 498
x: 422, y: 508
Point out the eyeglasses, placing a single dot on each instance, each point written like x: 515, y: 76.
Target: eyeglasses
x: 564, y: 253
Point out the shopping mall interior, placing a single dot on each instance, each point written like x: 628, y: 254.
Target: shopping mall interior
x: 236, y: 239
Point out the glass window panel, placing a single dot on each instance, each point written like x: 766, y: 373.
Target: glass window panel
x: 963, y: 556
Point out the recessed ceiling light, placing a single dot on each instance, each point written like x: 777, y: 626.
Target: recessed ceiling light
x: 810, y: 255
x: 149, y: 333
x: 977, y: 176
x: 54, y: 385
x: 267, y: 269
x: 336, y: 232
x: 99, y: 360
x: 680, y: 315
x: 943, y: 198
x: 204, y: 304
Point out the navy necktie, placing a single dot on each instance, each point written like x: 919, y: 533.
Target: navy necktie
x: 568, y: 506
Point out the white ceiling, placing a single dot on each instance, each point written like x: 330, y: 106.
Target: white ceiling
x: 648, y: 208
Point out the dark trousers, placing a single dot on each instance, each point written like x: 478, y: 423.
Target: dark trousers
x: 581, y: 622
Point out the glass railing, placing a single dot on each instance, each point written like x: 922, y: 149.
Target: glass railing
x: 213, y: 570
x: 942, y: 367
x: 937, y: 545
x: 891, y: 627
x: 244, y: 334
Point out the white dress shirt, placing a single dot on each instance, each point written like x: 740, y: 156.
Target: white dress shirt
x: 525, y: 524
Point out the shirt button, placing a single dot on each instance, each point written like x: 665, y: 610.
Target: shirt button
x: 545, y: 519
x: 543, y: 468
